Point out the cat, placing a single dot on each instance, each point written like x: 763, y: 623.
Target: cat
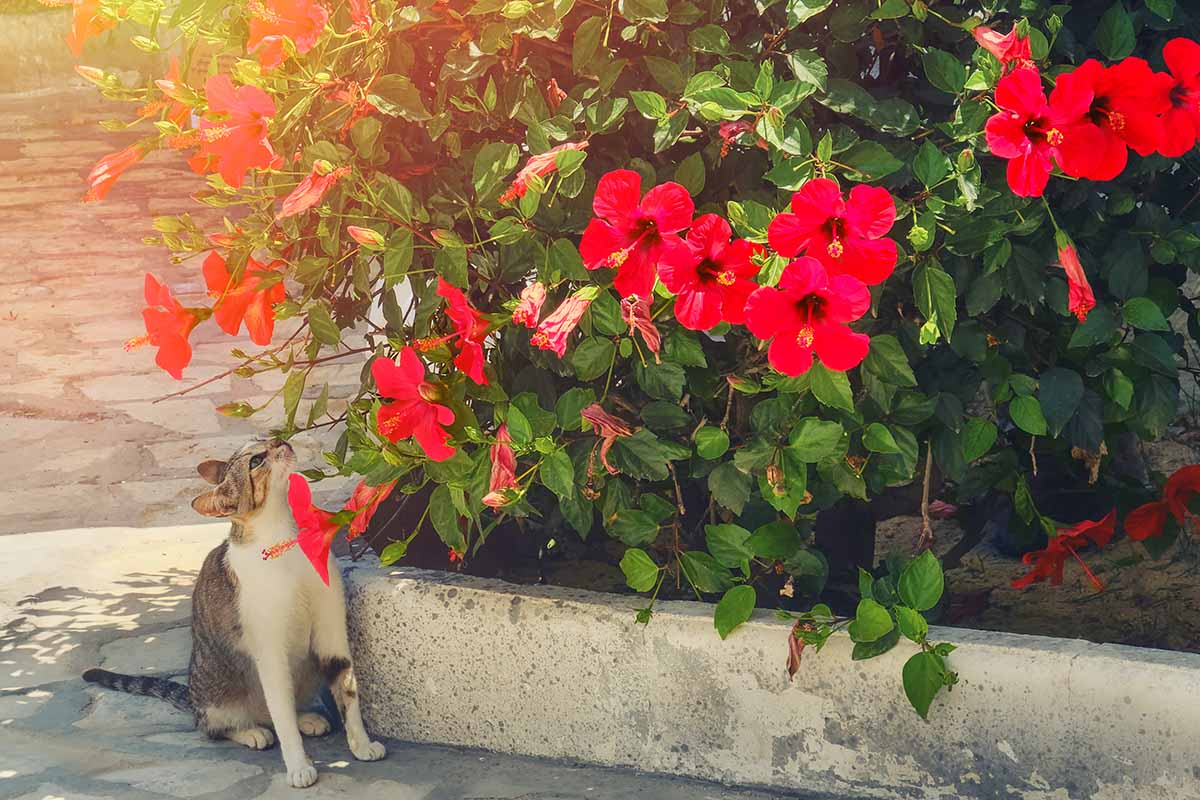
x: 265, y: 632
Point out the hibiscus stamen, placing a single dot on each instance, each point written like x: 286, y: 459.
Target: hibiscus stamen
x: 430, y: 342
x: 136, y: 342
x: 1091, y: 575
x: 278, y: 549
x: 1116, y: 121
x: 1055, y: 137
x: 835, y: 249
x: 215, y: 133
x: 726, y: 278
x: 805, y: 336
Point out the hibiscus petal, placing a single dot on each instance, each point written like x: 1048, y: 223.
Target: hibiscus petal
x: 432, y: 438
x: 636, y: 276
x: 617, y: 195
x: 260, y: 319
x: 174, y: 353
x: 600, y: 240
x: 1021, y: 91
x: 1029, y: 174
x: 1183, y: 58
x: 872, y: 261
x: 699, y: 308
x: 670, y: 206
x: 1178, y: 133
x: 788, y: 235
x: 1006, y: 135
x: 870, y: 211
x: 846, y: 299
x: 709, y: 236
x: 1073, y: 93
x: 818, y: 201
x: 803, y: 276
x: 840, y: 348
x: 733, y: 305
x: 768, y: 311
x: 678, y: 267
x: 396, y: 381
x: 1146, y: 522
x: 788, y: 356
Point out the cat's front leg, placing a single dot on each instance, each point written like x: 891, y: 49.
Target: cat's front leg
x: 276, y: 679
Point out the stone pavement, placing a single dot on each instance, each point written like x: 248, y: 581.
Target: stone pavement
x: 120, y: 598
x: 84, y: 443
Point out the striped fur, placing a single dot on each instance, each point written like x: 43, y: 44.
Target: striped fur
x: 174, y: 693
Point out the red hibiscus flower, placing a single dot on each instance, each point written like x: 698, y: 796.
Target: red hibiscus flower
x: 470, y: 328
x: 1080, y: 299
x: 316, y: 531
x: 632, y: 232
x: 233, y: 134
x: 244, y: 300
x: 364, y: 501
x: 609, y: 429
x: 636, y: 313
x: 108, y: 169
x: 540, y: 165
x: 301, y: 21
x: 504, y: 470
x: 1150, y: 520
x: 310, y: 191
x: 1034, y: 133
x: 86, y: 23
x: 360, y: 15
x: 1181, y: 122
x: 168, y: 325
x: 808, y: 313
x: 553, y: 332
x: 1127, y: 99
x: 1009, y: 49
x: 847, y: 236
x: 711, y: 277
x: 529, y: 308
x: 412, y: 412
x: 1048, y: 563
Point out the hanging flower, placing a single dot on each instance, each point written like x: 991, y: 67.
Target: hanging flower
x: 367, y: 237
x: 1080, y: 299
x: 1181, y: 122
x: 807, y: 314
x: 632, y: 232
x: 412, y: 412
x: 1148, y: 521
x: 553, y: 332
x: 711, y: 277
x: 1034, y: 133
x: 1127, y: 99
x: 847, y: 236
x: 86, y: 22
x: 360, y: 15
x: 245, y: 300
x: 168, y: 325
x: 108, y: 169
x: 470, y: 328
x: 540, y: 165
x: 233, y: 134
x: 608, y: 428
x: 504, y: 470
x: 554, y: 94
x: 364, y: 501
x: 310, y: 191
x: 529, y: 308
x: 1010, y: 49
x: 300, y: 21
x: 1048, y: 563
x: 636, y: 313
x: 316, y: 528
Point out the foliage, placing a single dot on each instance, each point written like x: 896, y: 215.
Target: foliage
x: 438, y: 162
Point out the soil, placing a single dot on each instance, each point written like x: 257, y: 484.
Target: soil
x: 1145, y: 602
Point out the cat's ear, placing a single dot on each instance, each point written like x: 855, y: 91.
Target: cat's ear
x: 215, y: 503
x: 212, y: 471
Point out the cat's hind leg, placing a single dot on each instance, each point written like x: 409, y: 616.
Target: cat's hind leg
x: 235, y: 723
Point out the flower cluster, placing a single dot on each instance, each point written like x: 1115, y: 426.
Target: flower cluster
x: 317, y: 528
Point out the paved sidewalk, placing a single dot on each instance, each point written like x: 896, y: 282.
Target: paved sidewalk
x: 84, y: 442
x: 120, y: 598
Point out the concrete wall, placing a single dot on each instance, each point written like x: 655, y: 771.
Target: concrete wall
x: 561, y: 673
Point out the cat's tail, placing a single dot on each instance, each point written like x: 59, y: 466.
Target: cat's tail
x: 174, y: 693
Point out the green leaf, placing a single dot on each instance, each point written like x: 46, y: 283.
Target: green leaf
x: 808, y: 67
x: 650, y: 104
x: 569, y: 406
x: 729, y: 487
x: 682, y: 347
x: 978, y: 436
x: 493, y: 162
x: 644, y: 10
x: 641, y: 456
x: 871, y: 159
x: 728, y: 544
x: 921, y: 582
x: 711, y: 443
x: 690, y: 173
x: 891, y: 9
x: 944, y: 71
x: 1059, y: 393
x: 558, y: 473
x: 1144, y: 314
x: 865, y: 650
x: 445, y: 519
x: 668, y: 130
x: 1118, y: 387
x: 735, y: 607
x: 293, y: 387
x: 815, y: 439
x: 667, y: 73
x: 323, y: 328
x: 663, y: 381
x: 592, y: 358
x: 923, y: 678
x: 930, y: 165
x: 775, y: 540
x: 709, y: 39
x: 397, y: 96
x: 1163, y: 8
x: 871, y: 621
x: 912, y: 624
x: 1114, y: 33
x: 887, y: 361
x: 633, y: 527
x: 704, y: 573
x: 801, y: 10
x: 586, y: 43
x: 934, y: 292
x: 451, y: 264
x: 1026, y: 413
x: 641, y: 573
x: 393, y: 553
x: 878, y: 439
x: 831, y: 388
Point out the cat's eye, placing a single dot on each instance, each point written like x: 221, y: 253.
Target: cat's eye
x: 257, y: 461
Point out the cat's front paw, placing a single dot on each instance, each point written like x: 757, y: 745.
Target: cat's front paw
x: 371, y: 751
x: 303, y: 777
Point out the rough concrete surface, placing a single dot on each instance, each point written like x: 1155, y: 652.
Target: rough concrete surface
x: 120, y: 598
x: 552, y: 672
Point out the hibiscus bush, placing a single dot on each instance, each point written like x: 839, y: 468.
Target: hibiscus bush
x: 694, y: 276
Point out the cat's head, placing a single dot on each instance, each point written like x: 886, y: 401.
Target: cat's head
x: 256, y: 474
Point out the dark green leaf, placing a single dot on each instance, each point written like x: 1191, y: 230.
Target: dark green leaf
x: 871, y: 621
x: 775, y: 540
x: 1026, y: 412
x: 729, y: 487
x: 592, y: 358
x: 921, y: 582
x: 735, y: 607
x: 711, y: 443
x: 704, y: 573
x: 831, y: 388
x: 634, y: 528
x: 728, y: 544
x: 922, y: 680
x: 558, y: 474
x: 815, y: 439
